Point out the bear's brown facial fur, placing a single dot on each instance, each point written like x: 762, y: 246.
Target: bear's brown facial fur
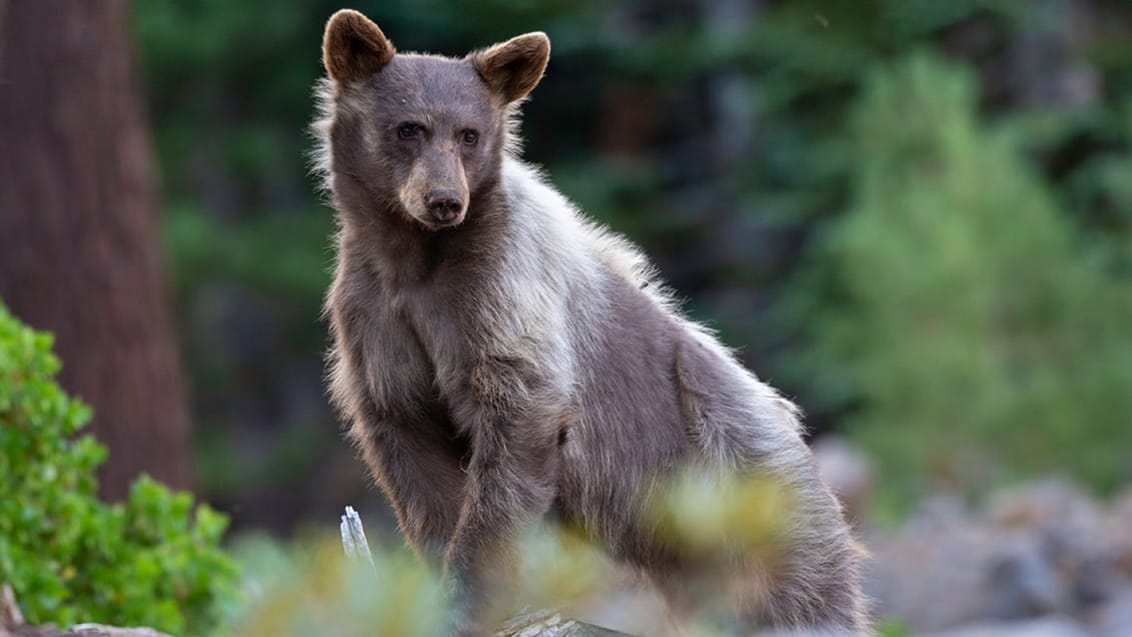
x: 426, y: 132
x: 353, y: 47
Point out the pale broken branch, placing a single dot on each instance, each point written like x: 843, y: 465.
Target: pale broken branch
x: 354, y: 538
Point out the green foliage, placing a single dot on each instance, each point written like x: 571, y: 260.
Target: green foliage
x: 962, y: 322
x: 892, y: 628
x: 151, y: 560
x: 309, y: 588
x: 701, y: 515
x: 285, y: 257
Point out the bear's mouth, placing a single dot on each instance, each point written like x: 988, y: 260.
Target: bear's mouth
x: 435, y: 224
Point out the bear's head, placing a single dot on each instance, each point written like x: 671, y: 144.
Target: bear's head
x: 422, y: 135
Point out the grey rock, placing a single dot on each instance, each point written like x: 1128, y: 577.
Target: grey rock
x: 932, y: 573
x: 1022, y: 581
x: 1045, y: 548
x: 848, y: 473
x: 1114, y: 618
x: 1044, y: 627
x: 1118, y: 527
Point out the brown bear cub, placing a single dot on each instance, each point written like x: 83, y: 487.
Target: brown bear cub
x: 500, y: 357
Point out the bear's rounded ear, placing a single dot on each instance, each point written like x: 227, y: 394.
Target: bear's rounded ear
x: 514, y: 67
x: 353, y: 48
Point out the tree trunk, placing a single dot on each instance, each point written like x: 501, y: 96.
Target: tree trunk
x: 79, y: 237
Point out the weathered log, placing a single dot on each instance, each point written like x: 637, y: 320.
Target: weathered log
x: 551, y: 624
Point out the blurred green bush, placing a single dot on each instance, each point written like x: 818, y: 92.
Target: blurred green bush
x: 963, y: 324
x: 308, y: 586
x: 151, y: 560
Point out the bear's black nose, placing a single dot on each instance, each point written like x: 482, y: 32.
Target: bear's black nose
x: 444, y: 205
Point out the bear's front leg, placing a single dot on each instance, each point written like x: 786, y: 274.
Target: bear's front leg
x: 419, y: 472
x: 513, y: 421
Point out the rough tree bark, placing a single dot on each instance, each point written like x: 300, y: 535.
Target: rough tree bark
x: 79, y: 242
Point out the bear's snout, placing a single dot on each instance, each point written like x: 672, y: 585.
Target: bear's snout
x: 444, y: 205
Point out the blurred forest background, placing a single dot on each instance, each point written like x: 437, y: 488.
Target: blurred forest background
x: 913, y: 216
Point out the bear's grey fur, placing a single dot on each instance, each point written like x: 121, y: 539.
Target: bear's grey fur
x: 499, y: 356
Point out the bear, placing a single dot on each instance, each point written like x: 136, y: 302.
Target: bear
x: 501, y: 359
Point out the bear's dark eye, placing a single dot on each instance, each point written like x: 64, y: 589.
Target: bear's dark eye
x: 408, y: 131
x: 471, y: 137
